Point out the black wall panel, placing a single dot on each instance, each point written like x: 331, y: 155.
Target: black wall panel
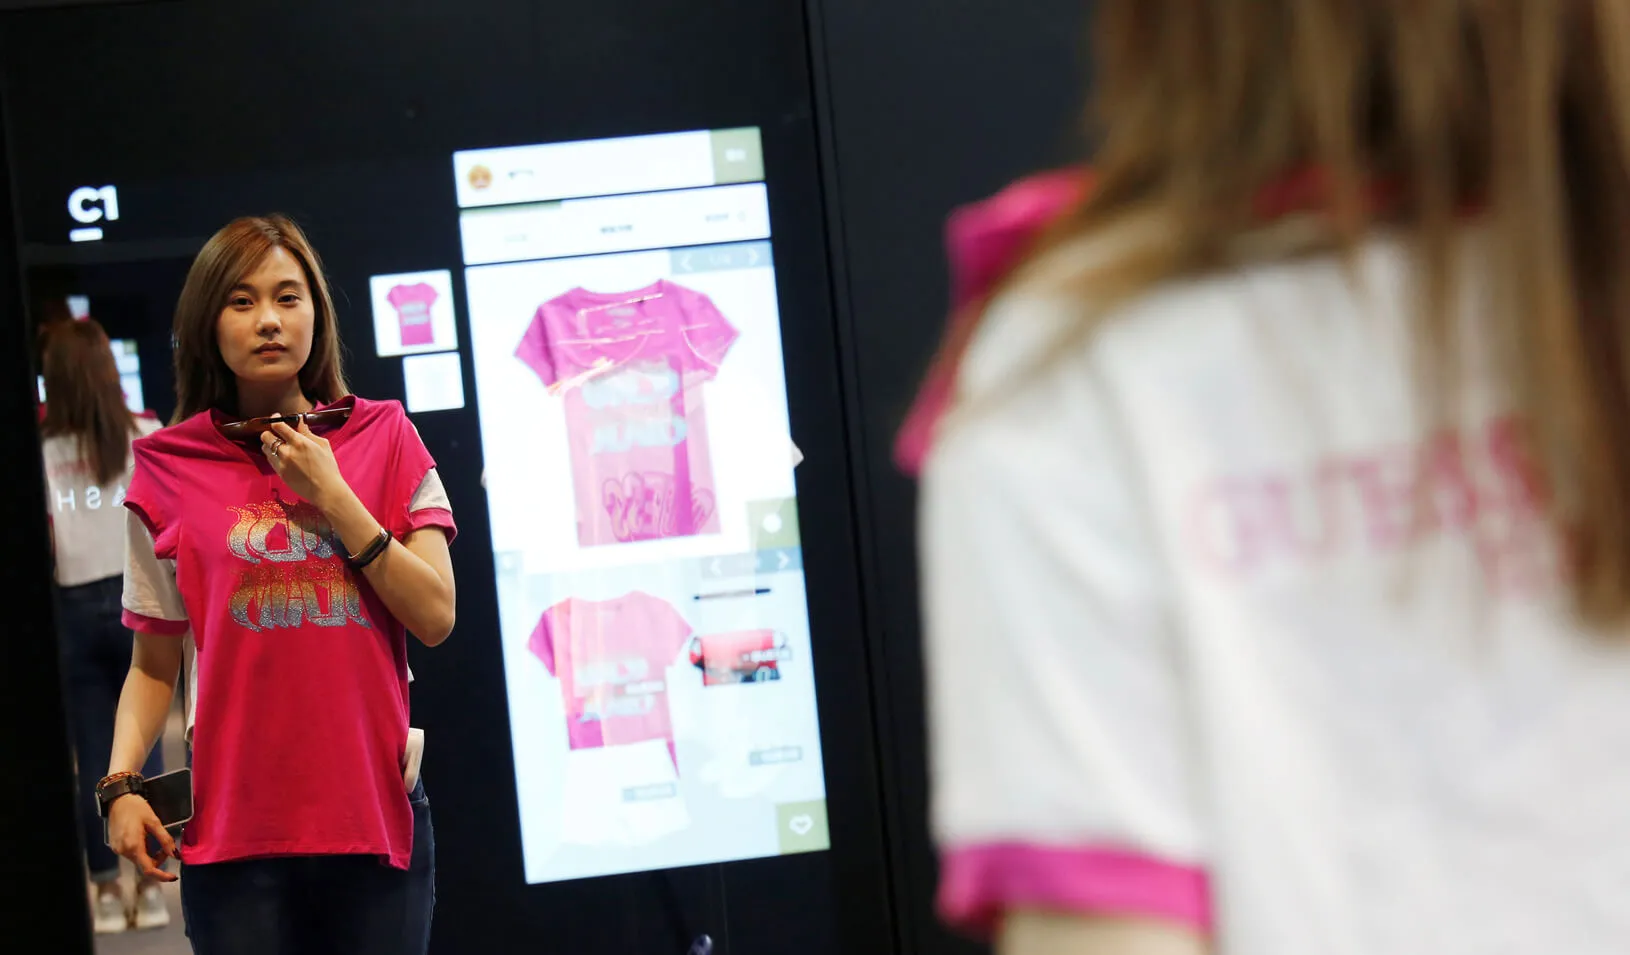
x: 40, y: 801
x: 932, y: 103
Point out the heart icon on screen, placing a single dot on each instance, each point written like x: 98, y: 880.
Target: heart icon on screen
x: 801, y: 824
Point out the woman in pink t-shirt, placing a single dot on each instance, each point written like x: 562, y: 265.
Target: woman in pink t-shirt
x: 287, y: 564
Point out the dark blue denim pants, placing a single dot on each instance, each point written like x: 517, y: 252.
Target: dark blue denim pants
x: 315, y: 905
x: 96, y: 658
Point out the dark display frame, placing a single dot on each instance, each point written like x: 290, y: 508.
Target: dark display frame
x: 200, y: 112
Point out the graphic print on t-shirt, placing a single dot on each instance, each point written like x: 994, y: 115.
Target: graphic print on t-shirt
x: 292, y: 572
x: 612, y: 657
x: 631, y: 367
x: 412, y: 304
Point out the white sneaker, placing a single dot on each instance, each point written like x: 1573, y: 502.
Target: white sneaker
x: 152, y: 911
x: 109, y: 912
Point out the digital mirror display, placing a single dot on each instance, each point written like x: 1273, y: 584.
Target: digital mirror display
x: 627, y: 358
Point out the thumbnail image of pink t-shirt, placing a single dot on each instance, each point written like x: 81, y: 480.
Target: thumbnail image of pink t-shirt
x: 612, y: 658
x: 412, y: 304
x: 744, y: 656
x: 630, y: 367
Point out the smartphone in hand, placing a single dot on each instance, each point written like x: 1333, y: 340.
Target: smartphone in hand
x: 170, y: 795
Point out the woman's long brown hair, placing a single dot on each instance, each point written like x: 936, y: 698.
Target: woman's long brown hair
x: 83, y: 398
x: 202, y: 378
x: 1517, y: 110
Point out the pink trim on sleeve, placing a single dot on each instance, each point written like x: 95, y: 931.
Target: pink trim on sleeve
x: 979, y: 884
x: 983, y: 242
x: 155, y: 625
x: 433, y: 517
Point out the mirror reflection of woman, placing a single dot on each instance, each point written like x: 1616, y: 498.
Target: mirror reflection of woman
x: 296, y: 561
x: 86, y: 431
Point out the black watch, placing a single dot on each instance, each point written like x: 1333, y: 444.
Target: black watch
x: 109, y: 790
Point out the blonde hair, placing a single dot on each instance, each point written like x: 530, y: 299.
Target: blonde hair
x: 1410, y: 113
x: 202, y: 378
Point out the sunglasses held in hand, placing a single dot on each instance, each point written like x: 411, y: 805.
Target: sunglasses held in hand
x: 250, y: 430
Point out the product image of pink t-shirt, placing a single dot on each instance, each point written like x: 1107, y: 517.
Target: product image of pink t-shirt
x: 629, y: 368
x: 745, y: 656
x: 612, y: 658
x: 301, y: 670
x: 412, y: 304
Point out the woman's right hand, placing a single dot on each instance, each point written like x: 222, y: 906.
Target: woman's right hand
x: 130, y: 821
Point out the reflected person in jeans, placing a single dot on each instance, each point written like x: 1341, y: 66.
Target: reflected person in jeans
x: 86, y: 432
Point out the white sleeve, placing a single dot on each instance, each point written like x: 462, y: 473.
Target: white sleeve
x: 151, y: 595
x: 430, y: 495
x: 152, y: 604
x: 1061, y: 759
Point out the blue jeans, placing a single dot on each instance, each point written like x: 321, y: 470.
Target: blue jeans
x: 315, y: 905
x: 96, y: 657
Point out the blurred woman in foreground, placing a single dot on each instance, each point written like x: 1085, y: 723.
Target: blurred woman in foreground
x: 1276, y: 495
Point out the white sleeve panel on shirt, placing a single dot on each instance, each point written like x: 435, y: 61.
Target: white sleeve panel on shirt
x: 151, y: 593
x: 150, y: 589
x: 1058, y: 728
x: 430, y: 494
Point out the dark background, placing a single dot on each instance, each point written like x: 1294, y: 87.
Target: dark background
x: 878, y: 118
x: 46, y: 835
x: 932, y: 103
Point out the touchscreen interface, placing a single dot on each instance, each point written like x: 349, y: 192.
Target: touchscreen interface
x: 629, y: 371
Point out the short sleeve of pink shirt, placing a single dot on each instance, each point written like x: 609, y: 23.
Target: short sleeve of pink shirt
x: 1093, y: 807
x: 708, y: 333
x: 151, y: 495
x: 534, y: 349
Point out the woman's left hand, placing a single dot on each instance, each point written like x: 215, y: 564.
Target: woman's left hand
x: 303, y: 460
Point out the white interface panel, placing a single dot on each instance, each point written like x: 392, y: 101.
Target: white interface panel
x: 628, y: 363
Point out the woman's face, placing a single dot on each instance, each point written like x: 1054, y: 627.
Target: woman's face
x: 265, y: 330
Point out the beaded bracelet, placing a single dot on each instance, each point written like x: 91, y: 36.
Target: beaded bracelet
x: 114, y: 777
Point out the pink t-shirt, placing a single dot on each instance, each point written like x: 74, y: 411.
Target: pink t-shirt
x: 302, y: 703
x: 612, y: 657
x: 412, y: 304
x: 631, y: 366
